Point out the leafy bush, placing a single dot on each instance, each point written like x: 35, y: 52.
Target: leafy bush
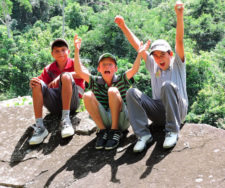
x: 28, y: 52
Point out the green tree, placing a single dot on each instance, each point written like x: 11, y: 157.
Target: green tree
x: 5, y: 12
x: 205, y: 22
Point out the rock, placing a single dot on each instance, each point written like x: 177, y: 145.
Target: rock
x: 86, y: 125
x: 196, y: 161
x: 19, y: 101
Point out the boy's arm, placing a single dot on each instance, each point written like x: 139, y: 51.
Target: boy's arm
x: 76, y: 75
x: 84, y: 74
x: 54, y: 83
x: 179, y: 9
x: 141, y: 51
x: 134, y: 41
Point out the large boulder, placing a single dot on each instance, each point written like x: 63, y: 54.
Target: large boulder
x: 198, y: 159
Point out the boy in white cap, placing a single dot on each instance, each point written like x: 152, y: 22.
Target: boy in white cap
x: 168, y: 79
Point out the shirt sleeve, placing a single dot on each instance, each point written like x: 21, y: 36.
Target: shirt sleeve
x: 129, y: 82
x: 149, y: 64
x: 178, y: 61
x: 45, y: 77
x: 91, y: 82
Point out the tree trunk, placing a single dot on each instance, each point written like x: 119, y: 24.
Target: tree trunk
x: 8, y: 25
x: 63, y: 31
x: 7, y: 18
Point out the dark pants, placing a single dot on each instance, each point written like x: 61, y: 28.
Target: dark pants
x: 53, y: 97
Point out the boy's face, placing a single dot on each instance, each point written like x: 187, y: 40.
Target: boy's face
x: 107, y: 67
x: 162, y: 59
x: 60, y: 54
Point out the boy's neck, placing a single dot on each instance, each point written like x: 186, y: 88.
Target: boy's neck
x: 108, y: 81
x: 61, y: 65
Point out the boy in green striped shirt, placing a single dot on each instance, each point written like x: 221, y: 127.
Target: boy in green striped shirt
x: 106, y: 102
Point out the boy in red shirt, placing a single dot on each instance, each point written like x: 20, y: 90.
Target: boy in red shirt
x: 58, y: 88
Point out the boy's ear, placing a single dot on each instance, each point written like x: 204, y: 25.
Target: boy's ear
x: 171, y: 53
x: 98, y: 68
x: 116, y: 68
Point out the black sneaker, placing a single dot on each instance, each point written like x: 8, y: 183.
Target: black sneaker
x: 113, y: 139
x: 101, y: 139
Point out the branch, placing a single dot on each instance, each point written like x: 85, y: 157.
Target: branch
x: 2, y: 21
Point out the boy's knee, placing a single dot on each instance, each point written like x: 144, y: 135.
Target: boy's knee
x: 168, y: 85
x: 65, y: 77
x: 88, y: 96
x: 131, y: 93
x: 113, y: 91
x: 168, y: 89
x: 37, y: 88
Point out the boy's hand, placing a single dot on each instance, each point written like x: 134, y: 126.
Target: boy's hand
x: 119, y: 21
x: 34, y: 82
x: 179, y: 8
x: 77, y: 42
x: 54, y: 83
x: 143, y: 48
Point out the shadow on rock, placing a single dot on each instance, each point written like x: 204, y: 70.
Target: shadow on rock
x: 158, y: 153
x: 129, y: 157
x: 88, y: 159
x: 22, y: 148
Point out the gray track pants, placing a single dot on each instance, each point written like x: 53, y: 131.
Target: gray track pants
x: 168, y: 111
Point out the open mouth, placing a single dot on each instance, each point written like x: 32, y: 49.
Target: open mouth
x: 162, y: 64
x: 107, y: 72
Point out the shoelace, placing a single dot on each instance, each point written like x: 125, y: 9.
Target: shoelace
x: 114, y: 136
x: 37, y: 130
x: 168, y: 134
x: 65, y: 124
x: 102, y: 134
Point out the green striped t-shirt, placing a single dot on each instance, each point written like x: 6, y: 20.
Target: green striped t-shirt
x: 100, y: 89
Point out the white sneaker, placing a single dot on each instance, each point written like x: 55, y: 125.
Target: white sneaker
x: 38, y: 135
x: 170, y: 139
x: 67, y: 129
x: 142, y: 142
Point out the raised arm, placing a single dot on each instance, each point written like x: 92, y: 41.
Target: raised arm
x: 134, y: 41
x: 79, y: 69
x: 179, y: 9
x: 141, y: 51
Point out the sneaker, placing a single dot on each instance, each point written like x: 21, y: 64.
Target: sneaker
x: 142, y: 143
x: 170, y: 139
x: 113, y: 139
x: 101, y: 139
x: 38, y: 135
x: 67, y: 129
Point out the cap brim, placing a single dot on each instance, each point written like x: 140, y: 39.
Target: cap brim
x: 160, y: 48
x: 107, y: 56
x: 60, y: 40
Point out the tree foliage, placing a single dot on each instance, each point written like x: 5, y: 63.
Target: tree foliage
x: 35, y: 24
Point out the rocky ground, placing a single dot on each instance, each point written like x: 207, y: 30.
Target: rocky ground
x: 198, y: 159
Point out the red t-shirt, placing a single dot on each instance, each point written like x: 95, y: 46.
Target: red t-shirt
x: 51, y: 71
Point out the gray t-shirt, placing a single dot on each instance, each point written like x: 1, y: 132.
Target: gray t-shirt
x: 175, y: 73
